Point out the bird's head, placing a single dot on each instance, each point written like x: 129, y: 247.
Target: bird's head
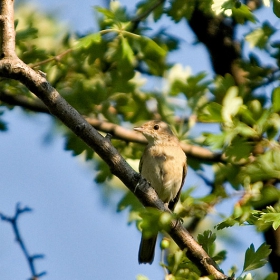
x: 156, y: 132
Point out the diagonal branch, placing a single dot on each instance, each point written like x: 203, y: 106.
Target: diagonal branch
x: 14, y: 68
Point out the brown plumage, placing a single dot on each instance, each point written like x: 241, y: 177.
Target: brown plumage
x: 164, y: 165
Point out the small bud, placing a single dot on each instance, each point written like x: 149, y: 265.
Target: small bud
x: 164, y: 244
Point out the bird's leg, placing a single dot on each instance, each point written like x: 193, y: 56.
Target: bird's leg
x: 141, y: 181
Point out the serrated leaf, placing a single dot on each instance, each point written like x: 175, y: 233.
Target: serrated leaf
x: 256, y: 259
x: 226, y: 223
x: 270, y: 216
x: 206, y: 240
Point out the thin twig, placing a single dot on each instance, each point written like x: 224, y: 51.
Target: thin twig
x: 136, y: 20
x: 56, y: 58
x: 30, y: 258
x: 142, y: 16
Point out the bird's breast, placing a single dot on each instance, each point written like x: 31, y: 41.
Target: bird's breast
x: 162, y: 166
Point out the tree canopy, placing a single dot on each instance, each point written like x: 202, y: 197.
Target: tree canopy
x: 121, y: 75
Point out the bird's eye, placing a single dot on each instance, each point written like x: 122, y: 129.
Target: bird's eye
x: 156, y: 127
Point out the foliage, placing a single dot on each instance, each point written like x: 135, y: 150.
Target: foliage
x: 109, y: 75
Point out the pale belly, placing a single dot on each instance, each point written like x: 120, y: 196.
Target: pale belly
x: 165, y: 173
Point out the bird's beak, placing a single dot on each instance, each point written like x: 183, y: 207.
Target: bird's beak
x: 139, y: 129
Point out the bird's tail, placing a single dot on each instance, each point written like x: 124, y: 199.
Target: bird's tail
x: 147, y: 249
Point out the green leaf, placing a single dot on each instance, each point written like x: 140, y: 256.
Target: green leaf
x: 272, y: 276
x: 206, y: 240
x: 149, y: 224
x: 239, y: 149
x: 256, y: 259
x: 276, y: 8
x: 266, y: 166
x: 260, y: 36
x: 77, y: 146
x: 153, y: 55
x: 226, y: 223
x: 273, y: 218
x: 150, y: 46
x: 270, y: 216
x: 88, y: 40
x: 276, y: 99
x: 242, y: 14
x: 215, y: 141
x: 127, y: 53
x: 212, y: 112
x: 26, y: 34
x: 222, y: 85
x: 107, y: 13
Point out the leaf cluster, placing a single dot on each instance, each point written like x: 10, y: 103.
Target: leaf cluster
x: 122, y: 74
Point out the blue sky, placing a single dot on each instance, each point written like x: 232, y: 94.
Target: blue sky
x: 81, y: 237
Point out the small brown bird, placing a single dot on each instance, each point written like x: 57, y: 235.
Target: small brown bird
x: 164, y: 165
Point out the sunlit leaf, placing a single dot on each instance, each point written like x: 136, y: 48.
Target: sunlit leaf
x: 231, y: 104
x: 242, y: 14
x: 260, y: 36
x: 212, y: 112
x: 86, y: 41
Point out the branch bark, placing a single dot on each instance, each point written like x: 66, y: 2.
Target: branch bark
x: 218, y: 37
x: 12, y: 67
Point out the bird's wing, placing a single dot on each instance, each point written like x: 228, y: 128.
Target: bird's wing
x: 173, y: 202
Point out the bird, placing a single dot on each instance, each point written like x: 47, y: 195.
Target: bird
x: 164, y: 165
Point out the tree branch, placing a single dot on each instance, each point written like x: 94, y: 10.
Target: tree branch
x: 12, y: 67
x: 35, y: 105
x: 115, y: 130
x: 218, y: 37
